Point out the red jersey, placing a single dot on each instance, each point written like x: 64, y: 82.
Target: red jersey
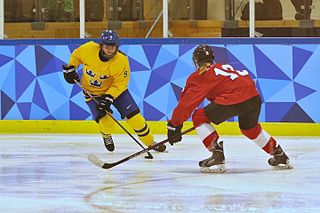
x: 220, y: 83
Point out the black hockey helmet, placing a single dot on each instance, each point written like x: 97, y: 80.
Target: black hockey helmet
x: 202, y: 55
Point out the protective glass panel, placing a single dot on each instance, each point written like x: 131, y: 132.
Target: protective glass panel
x: 274, y: 18
x: 41, y: 18
x: 143, y: 18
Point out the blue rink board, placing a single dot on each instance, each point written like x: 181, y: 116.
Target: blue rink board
x: 286, y: 72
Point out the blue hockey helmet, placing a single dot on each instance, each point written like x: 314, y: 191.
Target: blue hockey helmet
x: 109, y: 37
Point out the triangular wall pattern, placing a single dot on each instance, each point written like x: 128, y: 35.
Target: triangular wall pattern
x: 287, y: 76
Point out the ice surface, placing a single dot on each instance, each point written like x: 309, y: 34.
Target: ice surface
x: 51, y: 173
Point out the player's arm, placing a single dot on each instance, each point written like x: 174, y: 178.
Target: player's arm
x: 69, y: 71
x: 190, y: 98
x: 77, y: 55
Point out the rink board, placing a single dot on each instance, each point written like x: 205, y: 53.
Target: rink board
x: 157, y: 127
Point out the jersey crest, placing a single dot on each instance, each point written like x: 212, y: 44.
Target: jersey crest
x: 90, y: 73
x: 104, y: 76
x: 96, y: 83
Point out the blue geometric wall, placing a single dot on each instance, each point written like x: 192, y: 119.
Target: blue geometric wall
x: 32, y: 86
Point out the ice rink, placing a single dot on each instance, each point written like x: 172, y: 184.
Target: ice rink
x: 51, y: 173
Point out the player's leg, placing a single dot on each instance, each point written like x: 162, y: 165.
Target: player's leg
x: 250, y: 127
x: 105, y: 125
x: 139, y: 125
x: 130, y: 111
x: 201, y: 120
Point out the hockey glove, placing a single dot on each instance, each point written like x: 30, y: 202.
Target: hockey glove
x: 103, y: 107
x: 70, y: 74
x: 174, y: 133
x: 105, y: 103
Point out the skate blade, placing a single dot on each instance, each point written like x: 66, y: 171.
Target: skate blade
x: 221, y: 168
x: 283, y: 166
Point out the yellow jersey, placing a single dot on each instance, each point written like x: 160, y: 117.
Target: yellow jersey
x: 99, y: 77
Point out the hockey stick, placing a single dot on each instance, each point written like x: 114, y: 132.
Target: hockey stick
x: 149, y: 156
x: 96, y: 161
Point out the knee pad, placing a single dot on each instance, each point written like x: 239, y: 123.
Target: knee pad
x: 199, y: 117
x: 130, y: 115
x: 99, y: 116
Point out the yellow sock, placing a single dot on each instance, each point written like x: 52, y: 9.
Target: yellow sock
x: 105, y: 125
x: 139, y: 125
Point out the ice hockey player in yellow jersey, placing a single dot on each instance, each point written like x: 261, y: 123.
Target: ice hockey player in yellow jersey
x: 106, y: 73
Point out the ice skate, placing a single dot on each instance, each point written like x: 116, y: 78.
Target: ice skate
x: 279, y: 160
x: 160, y: 148
x: 214, y: 164
x: 108, y: 142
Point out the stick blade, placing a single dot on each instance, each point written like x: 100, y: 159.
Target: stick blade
x: 95, y: 160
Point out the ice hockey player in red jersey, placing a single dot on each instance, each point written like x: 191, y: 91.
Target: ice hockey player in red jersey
x: 231, y: 93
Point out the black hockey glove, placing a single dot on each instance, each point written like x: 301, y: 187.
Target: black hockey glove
x: 103, y: 107
x: 105, y: 103
x: 70, y: 74
x: 174, y: 133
